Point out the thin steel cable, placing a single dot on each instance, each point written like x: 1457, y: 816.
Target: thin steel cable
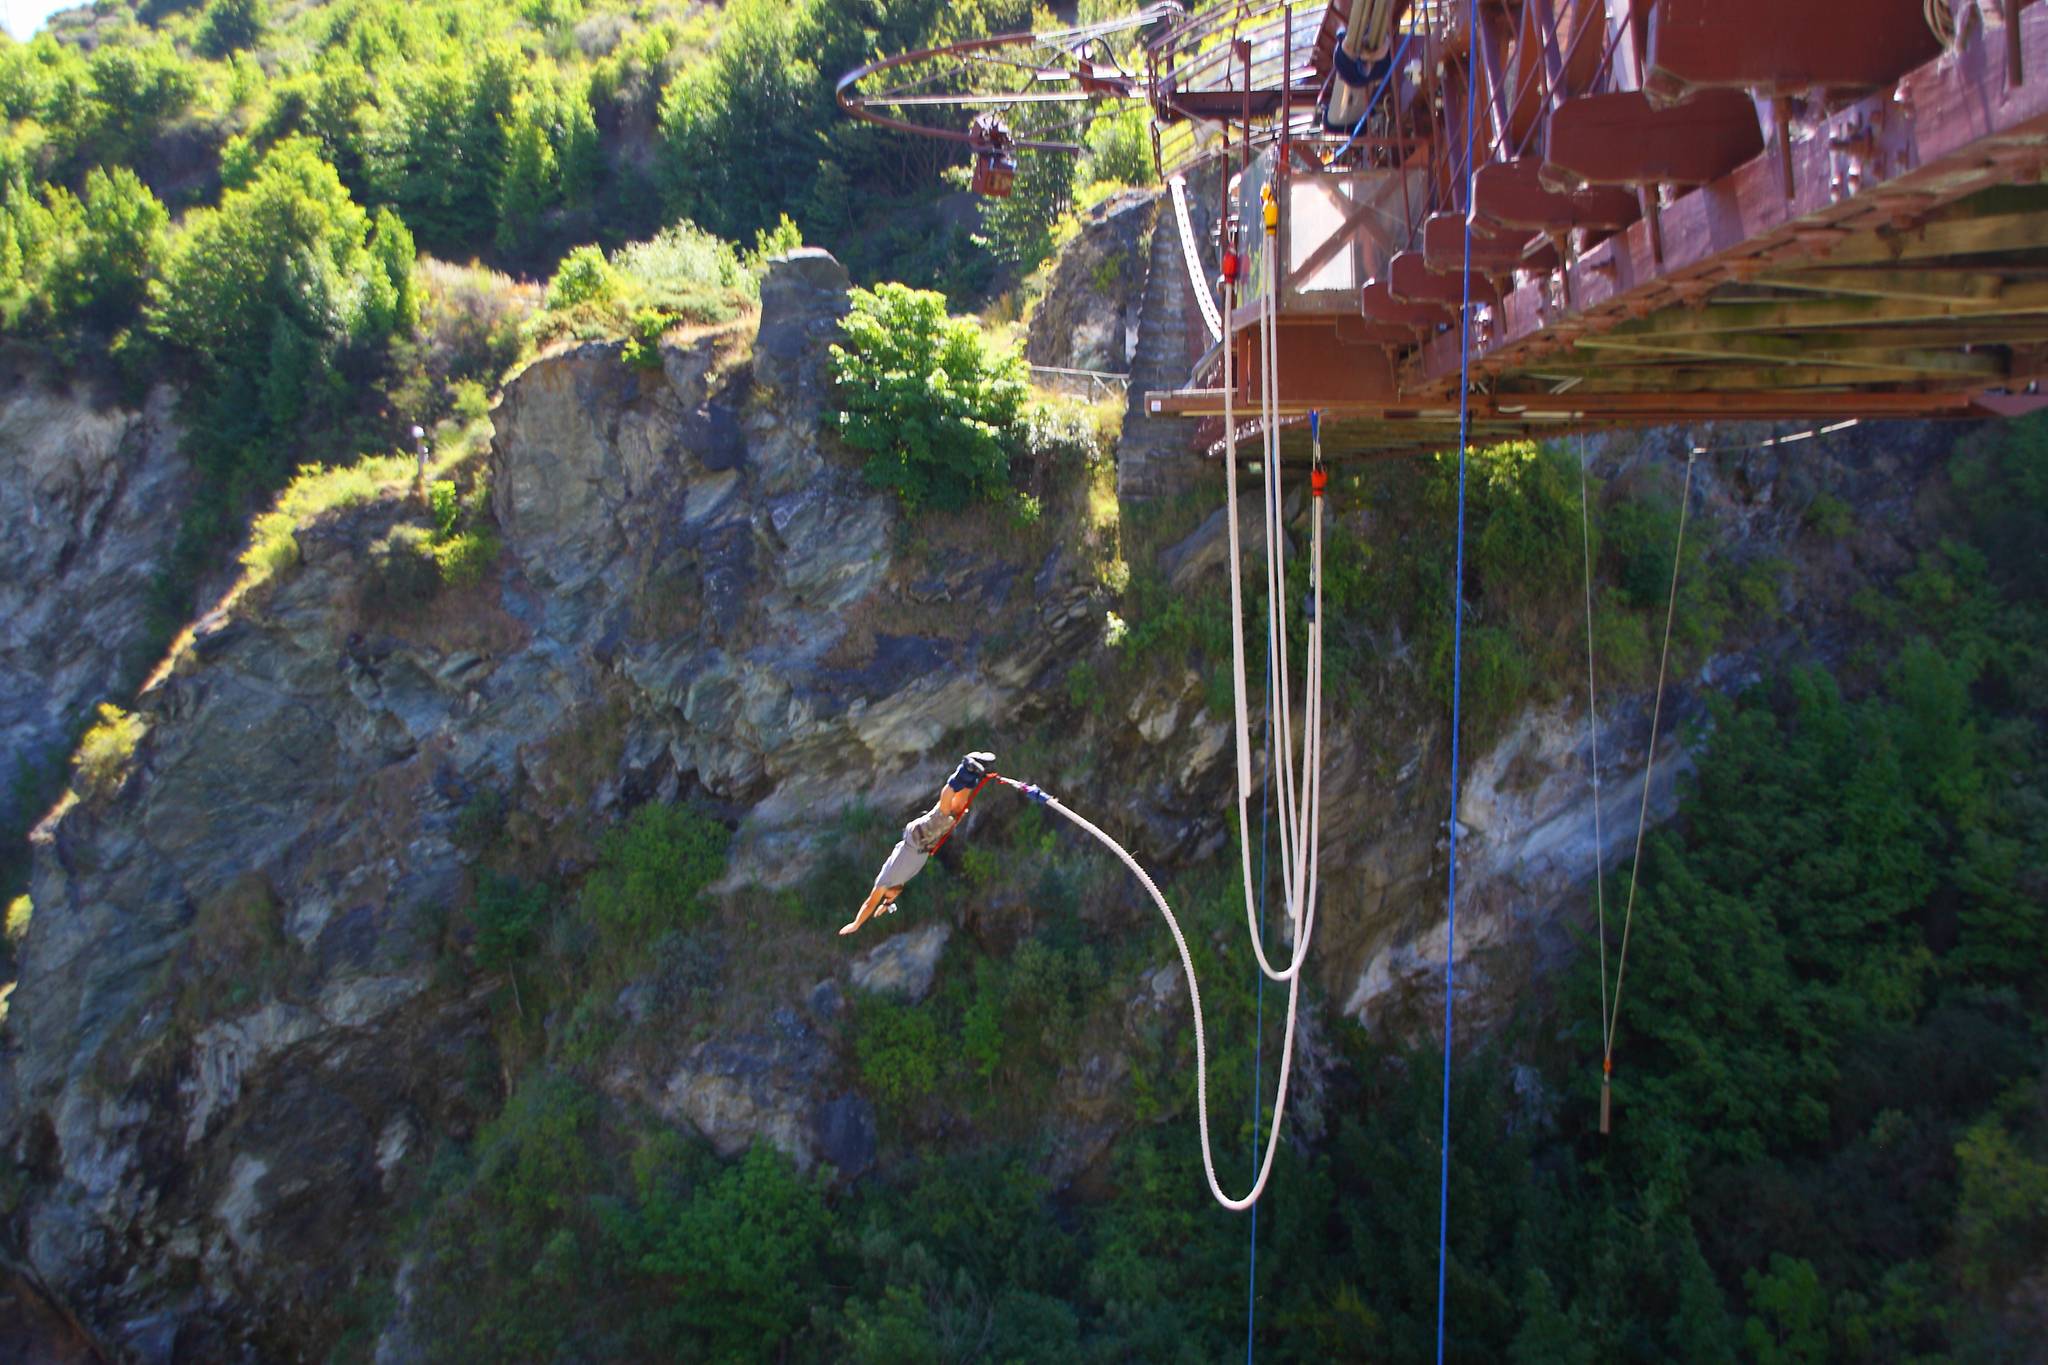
x: 1593, y: 734
x: 1649, y: 765
x: 1443, y: 1215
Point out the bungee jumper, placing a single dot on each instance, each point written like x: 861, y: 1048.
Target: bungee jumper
x: 924, y: 836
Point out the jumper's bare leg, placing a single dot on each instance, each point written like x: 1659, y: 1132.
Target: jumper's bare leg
x: 867, y: 908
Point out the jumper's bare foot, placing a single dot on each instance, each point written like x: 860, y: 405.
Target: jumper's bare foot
x: 853, y: 926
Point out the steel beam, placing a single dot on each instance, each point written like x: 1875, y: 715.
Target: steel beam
x: 1624, y: 139
x: 1781, y: 47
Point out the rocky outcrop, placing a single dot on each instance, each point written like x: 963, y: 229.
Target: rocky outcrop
x: 902, y: 966
x: 90, y: 495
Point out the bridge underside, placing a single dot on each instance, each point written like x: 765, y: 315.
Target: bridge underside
x: 1679, y: 238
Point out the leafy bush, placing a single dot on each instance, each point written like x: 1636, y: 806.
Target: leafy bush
x: 470, y: 333
x: 899, y: 1051
x: 1827, y: 515
x: 292, y: 251
x: 506, y: 917
x: 1119, y: 150
x: 681, y: 274
x: 403, y: 575
x: 65, y: 261
x: 927, y: 398
x: 583, y: 277
x: 228, y: 26
x: 687, y: 271
x: 464, y: 558
x: 20, y: 911
x: 101, y: 763
x: 652, y: 871
x: 643, y: 339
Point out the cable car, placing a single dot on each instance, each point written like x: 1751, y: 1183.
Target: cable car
x: 995, y: 164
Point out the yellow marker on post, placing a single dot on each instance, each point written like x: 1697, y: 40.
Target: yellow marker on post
x: 1272, y: 209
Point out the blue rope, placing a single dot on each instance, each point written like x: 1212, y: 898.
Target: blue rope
x: 1443, y: 1208
x: 1251, y: 1279
x: 1385, y: 80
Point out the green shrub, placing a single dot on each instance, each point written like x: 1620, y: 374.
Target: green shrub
x: 736, y: 1257
x: 1119, y: 149
x: 470, y: 332
x: 652, y: 871
x: 681, y: 274
x: 65, y: 261
x: 769, y: 243
x: 226, y: 291
x: 403, y: 574
x: 1084, y: 688
x: 469, y: 400
x: 899, y: 1051
x: 1498, y: 679
x: 464, y: 559
x: 480, y: 821
x: 445, y: 506
x: 686, y: 271
x: 644, y: 331
x: 584, y: 276
x: 20, y: 911
x: 931, y: 403
x: 2002, y: 1206
x: 506, y: 917
x: 1827, y: 515
x: 228, y: 26
x: 101, y: 763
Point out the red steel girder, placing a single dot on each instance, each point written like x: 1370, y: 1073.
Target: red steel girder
x: 1512, y: 194
x: 1953, y: 128
x: 1443, y: 245
x: 1366, y: 332
x: 1317, y: 366
x: 1784, y: 46
x: 1623, y: 139
x: 1410, y: 280
x: 1603, y: 408
x: 1378, y: 304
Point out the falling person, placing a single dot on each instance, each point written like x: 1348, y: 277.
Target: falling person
x: 922, y: 837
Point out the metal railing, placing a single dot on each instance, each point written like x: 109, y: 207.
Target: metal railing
x: 1085, y: 384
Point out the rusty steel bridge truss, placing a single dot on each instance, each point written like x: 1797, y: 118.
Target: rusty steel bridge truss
x: 1680, y: 210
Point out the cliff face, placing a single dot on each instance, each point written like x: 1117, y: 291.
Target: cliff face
x: 235, y: 1039
x: 89, y: 497
x: 226, y: 1040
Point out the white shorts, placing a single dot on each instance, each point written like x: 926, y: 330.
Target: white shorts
x: 904, y: 862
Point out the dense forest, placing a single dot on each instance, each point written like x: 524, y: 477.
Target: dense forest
x: 326, y: 222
